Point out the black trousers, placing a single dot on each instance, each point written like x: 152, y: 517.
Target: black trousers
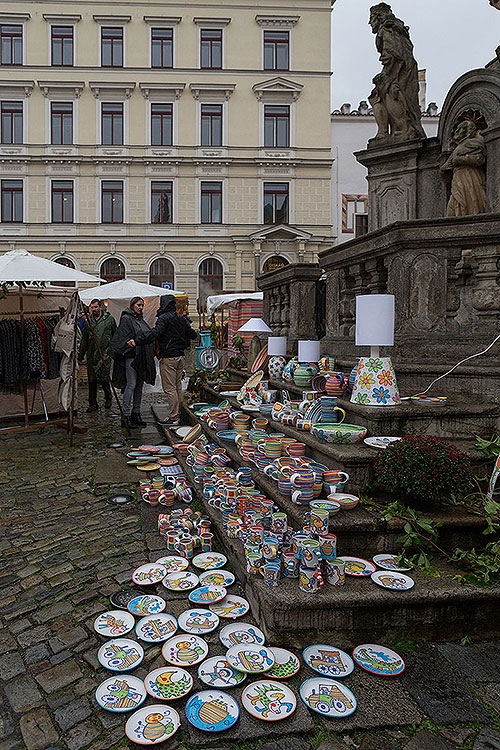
x: 93, y: 391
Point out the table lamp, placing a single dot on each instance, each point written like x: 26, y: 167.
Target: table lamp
x: 276, y: 348
x: 309, y: 351
x: 256, y: 326
x: 375, y: 382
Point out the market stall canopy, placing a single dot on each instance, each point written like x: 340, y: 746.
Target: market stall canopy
x: 20, y: 265
x: 217, y: 300
x: 124, y: 289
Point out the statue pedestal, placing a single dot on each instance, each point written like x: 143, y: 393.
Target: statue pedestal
x: 403, y: 181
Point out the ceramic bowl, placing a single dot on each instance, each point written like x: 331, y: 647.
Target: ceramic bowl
x: 346, y: 502
x: 345, y: 434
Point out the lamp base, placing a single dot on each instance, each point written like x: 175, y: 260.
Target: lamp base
x: 375, y: 383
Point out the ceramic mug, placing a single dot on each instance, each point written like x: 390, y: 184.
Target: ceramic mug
x: 255, y: 533
x: 319, y: 521
x: 254, y: 562
x: 185, y: 548
x: 172, y: 539
x: 270, y: 572
x: 310, y: 553
x: 328, y: 547
x: 334, y: 478
x: 269, y: 548
x: 335, y: 572
x: 206, y: 541
x: 298, y: 538
x: 279, y: 523
x: 290, y: 565
x: 310, y: 579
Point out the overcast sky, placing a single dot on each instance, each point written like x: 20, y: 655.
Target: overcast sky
x: 449, y: 38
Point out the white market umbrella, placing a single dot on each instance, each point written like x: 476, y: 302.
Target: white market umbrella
x: 124, y: 289
x: 20, y: 265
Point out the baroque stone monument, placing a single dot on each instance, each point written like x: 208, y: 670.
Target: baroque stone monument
x: 464, y: 168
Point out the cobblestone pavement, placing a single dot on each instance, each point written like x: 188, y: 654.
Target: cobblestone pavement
x: 64, y: 550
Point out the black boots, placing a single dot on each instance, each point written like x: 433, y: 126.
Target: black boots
x: 136, y: 420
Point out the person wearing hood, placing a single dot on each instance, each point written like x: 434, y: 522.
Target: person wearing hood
x: 173, y: 333
x: 136, y: 364
x: 97, y: 334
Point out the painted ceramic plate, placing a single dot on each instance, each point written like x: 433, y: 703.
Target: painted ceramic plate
x: 260, y: 360
x: 217, y: 578
x: 212, y: 711
x: 328, y: 697
x: 231, y: 607
x: 184, y: 650
x: 167, y: 461
x: 114, y: 623
x: 389, y: 562
x: 328, y: 660
x: 173, y: 563
x: 121, y: 598
x: 229, y: 393
x: 152, y: 724
x: 182, y: 431
x: 149, y: 573
x: 253, y: 380
x: 147, y: 604
x: 120, y: 654
x: 380, y: 442
x: 121, y: 693
x: 217, y: 672
x: 229, y: 435
x: 156, y: 628
x: 182, y: 581
x: 285, y: 664
x: 250, y: 657
x: 250, y: 408
x: 148, y: 467
x: 149, y: 448
x: 168, y: 683
x: 378, y: 659
x: 198, y: 621
x: 241, y: 632
x: 207, y: 595
x: 429, y: 400
x: 209, y: 560
x: 357, y: 566
x: 269, y: 700
x: 392, y: 580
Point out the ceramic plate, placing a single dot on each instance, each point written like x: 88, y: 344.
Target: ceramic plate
x: 152, y: 724
x: 330, y: 505
x: 217, y: 578
x: 149, y: 573
x: 232, y: 634
x: 120, y: 655
x: 380, y: 442
x: 168, y: 683
x: 229, y: 393
x: 229, y: 435
x: 121, y: 693
x: 212, y: 711
x: 392, y: 580
x: 253, y: 380
x: 148, y: 467
x: 357, y: 566
x: 285, y: 664
x: 328, y: 660
x: 217, y: 672
x: 328, y: 697
x: 198, y: 621
x: 378, y: 659
x: 192, y: 434
x: 149, y: 448
x: 209, y: 560
x: 173, y: 563
x: 250, y: 408
x: 389, y: 562
x: 269, y: 700
x: 114, y: 623
x: 167, y: 461
x: 184, y: 650
x: 156, y: 628
x: 182, y: 431
x: 207, y: 595
x: 260, y: 360
x: 182, y: 581
x: 147, y: 604
x: 429, y: 400
x: 231, y: 607
x: 250, y: 657
x: 121, y: 598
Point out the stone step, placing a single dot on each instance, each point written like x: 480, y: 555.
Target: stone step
x: 437, y: 607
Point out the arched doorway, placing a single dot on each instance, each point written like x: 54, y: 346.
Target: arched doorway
x: 68, y: 263
x: 161, y: 271
x: 112, y: 269
x: 274, y: 262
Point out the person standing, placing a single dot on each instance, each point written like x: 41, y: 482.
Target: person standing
x: 133, y: 366
x: 173, y: 333
x: 97, y: 334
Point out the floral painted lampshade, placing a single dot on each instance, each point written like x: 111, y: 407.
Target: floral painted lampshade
x: 375, y: 383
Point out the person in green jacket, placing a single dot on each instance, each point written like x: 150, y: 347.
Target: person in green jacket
x: 104, y: 326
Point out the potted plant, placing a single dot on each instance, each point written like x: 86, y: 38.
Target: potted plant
x: 422, y: 469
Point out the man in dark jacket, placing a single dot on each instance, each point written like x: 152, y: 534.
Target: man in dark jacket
x: 100, y: 327
x: 173, y: 333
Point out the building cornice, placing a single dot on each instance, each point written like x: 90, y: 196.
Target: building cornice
x: 162, y: 90
x: 14, y: 17
x: 215, y: 22
x: 12, y: 87
x: 51, y: 88
x: 211, y: 91
x: 61, y: 18
x: 277, y: 88
x: 164, y: 20
x: 281, y: 22
x: 111, y: 19
x: 103, y: 88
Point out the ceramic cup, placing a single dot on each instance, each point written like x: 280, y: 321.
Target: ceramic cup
x: 319, y: 521
x: 279, y: 523
x: 206, y: 542
x: 172, y: 538
x: 255, y: 533
x: 269, y: 548
x: 185, y: 547
x: 335, y: 572
x: 334, y: 478
x: 310, y: 579
x: 310, y: 553
x: 298, y: 538
x: 270, y: 572
x: 254, y: 562
x: 290, y: 565
x: 328, y: 547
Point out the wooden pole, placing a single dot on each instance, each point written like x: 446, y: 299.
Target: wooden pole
x: 25, y: 387
x: 71, y: 416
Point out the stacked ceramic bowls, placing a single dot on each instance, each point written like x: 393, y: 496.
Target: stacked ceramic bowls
x: 240, y: 421
x: 221, y: 419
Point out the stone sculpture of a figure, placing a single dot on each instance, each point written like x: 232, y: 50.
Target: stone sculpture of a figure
x: 395, y: 96
x: 465, y: 169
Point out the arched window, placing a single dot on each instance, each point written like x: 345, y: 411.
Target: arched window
x: 112, y: 270
x: 69, y: 264
x: 161, y: 271
x: 211, y: 276
x: 274, y: 262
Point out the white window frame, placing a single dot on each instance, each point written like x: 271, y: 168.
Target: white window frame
x: 150, y: 36
x: 111, y: 25
x: 71, y: 148
x: 225, y: 112
x: 16, y: 19
x: 71, y: 21
x: 291, y: 106
x: 162, y: 256
x: 277, y: 23
x: 211, y: 227
x: 15, y: 226
x: 110, y: 99
x: 212, y: 23
x: 175, y: 194
x: 125, y: 180
x: 175, y: 110
x: 76, y: 202
x: 291, y: 198
x: 207, y: 256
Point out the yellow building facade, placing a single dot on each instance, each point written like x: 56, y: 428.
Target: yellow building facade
x: 175, y: 143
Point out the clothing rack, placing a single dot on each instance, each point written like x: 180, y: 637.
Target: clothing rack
x: 36, y: 313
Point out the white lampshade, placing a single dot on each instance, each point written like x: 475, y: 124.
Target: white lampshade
x: 375, y: 320
x: 276, y: 346
x: 255, y: 325
x: 309, y: 351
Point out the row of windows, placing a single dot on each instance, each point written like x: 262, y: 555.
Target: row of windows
x: 62, y: 47
x: 275, y: 202
x: 276, y: 124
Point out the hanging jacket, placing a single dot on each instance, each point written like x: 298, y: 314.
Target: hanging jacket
x: 172, y: 330
x: 104, y: 330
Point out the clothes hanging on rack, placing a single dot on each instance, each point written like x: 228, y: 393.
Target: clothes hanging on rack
x: 10, y: 352
x: 40, y: 361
